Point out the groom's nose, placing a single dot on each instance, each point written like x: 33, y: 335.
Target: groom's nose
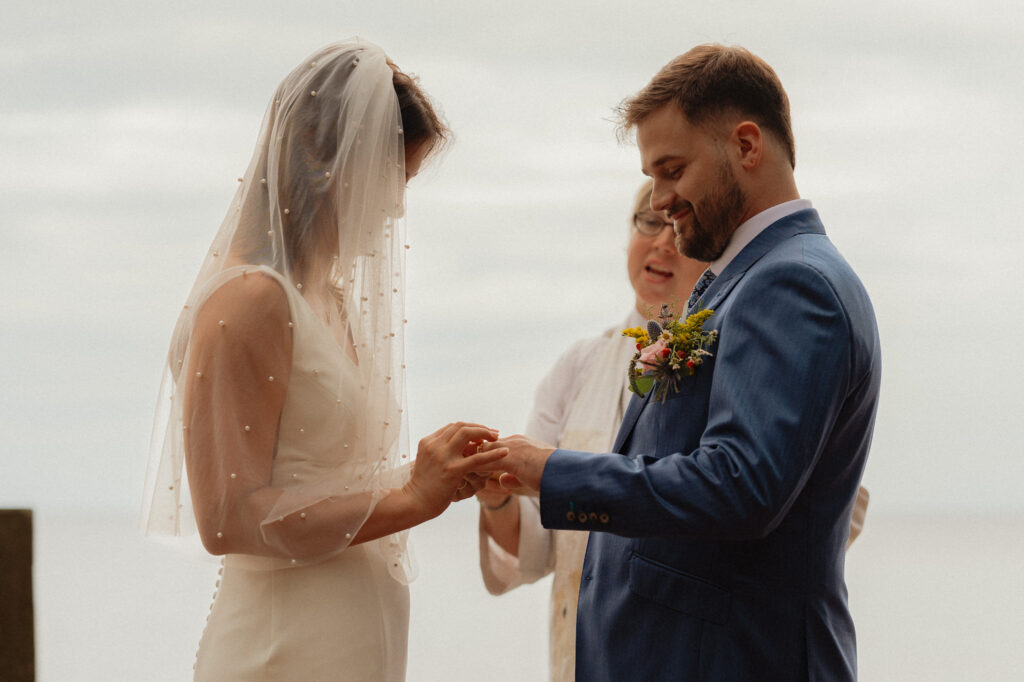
x: 661, y: 195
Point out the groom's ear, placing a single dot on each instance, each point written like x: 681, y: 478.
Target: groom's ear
x: 747, y: 142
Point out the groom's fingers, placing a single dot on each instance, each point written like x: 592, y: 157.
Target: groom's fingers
x: 508, y: 481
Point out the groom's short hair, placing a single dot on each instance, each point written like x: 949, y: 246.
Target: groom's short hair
x: 712, y: 80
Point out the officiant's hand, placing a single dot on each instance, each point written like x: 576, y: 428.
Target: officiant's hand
x: 491, y: 493
x: 524, y: 464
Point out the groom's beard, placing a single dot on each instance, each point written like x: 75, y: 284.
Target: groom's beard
x: 720, y: 211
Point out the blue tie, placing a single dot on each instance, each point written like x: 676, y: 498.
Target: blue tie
x: 699, y: 288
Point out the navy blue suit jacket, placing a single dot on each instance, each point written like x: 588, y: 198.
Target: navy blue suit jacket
x: 723, y: 522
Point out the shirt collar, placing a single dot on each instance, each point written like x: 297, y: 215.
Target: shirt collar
x: 754, y: 226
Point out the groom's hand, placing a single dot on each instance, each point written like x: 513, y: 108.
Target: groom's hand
x: 524, y: 464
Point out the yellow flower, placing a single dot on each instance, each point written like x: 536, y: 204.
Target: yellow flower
x: 638, y: 333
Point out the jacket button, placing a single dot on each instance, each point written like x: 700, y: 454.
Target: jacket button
x: 571, y: 516
x: 593, y: 516
x: 604, y: 518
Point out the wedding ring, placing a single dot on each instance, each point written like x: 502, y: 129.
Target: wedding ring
x: 464, y: 484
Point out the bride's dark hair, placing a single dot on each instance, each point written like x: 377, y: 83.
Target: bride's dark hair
x: 420, y: 122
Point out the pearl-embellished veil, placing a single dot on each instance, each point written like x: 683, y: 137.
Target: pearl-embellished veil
x: 313, y: 243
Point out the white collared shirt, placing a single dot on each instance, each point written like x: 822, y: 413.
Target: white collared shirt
x: 754, y: 226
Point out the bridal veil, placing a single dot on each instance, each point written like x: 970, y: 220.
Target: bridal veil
x: 320, y: 211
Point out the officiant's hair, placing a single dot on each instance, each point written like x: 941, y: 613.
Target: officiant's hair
x: 710, y: 80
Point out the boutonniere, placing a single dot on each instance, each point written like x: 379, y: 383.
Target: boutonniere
x: 667, y: 351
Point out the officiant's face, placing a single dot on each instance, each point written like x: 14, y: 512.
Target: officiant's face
x: 694, y: 183
x: 658, y: 272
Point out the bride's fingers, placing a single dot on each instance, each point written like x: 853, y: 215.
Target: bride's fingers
x: 496, y: 443
x: 477, y: 481
x: 463, y: 493
x: 468, y: 433
x: 449, y: 429
x: 445, y: 433
x: 449, y: 432
x: 476, y: 445
x: 481, y: 461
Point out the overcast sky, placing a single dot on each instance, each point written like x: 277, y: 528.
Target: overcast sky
x: 123, y: 126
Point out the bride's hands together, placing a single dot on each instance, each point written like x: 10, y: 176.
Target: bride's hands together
x: 446, y: 465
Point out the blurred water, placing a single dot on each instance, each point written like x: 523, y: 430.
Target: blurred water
x: 933, y: 599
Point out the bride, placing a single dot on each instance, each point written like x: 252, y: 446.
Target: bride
x: 284, y: 395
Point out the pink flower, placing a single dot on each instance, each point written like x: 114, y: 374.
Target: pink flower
x: 650, y: 355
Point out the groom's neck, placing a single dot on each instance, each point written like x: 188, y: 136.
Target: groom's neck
x: 769, y: 189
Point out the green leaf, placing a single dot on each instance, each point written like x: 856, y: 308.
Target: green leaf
x: 643, y: 384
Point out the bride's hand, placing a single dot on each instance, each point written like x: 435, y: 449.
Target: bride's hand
x: 471, y: 485
x: 443, y: 461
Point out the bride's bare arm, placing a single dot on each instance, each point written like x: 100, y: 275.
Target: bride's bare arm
x: 238, y: 375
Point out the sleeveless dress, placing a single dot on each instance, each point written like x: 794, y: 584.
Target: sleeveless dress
x: 342, y: 618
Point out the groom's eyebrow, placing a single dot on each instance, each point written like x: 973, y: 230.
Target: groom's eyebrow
x: 658, y: 164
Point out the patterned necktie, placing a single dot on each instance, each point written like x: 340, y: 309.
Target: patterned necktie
x: 699, y: 288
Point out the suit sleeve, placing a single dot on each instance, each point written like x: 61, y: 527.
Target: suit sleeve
x: 780, y: 377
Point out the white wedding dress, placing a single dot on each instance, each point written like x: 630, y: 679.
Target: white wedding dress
x: 342, y: 618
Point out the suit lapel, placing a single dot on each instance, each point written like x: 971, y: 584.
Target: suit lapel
x: 633, y: 410
x: 801, y: 222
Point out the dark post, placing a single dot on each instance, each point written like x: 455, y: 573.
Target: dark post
x: 17, y: 623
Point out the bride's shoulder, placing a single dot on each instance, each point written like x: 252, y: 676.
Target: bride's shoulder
x: 250, y: 300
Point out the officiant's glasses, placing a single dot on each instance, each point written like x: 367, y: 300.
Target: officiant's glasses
x: 649, y: 223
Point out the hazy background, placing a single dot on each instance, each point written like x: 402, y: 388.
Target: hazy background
x: 124, y: 125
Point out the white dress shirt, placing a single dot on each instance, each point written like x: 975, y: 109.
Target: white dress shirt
x: 754, y: 226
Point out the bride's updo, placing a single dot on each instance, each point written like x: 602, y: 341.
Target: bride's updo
x: 420, y: 121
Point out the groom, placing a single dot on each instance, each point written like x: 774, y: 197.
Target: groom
x: 723, y: 518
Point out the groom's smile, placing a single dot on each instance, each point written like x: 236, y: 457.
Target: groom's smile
x: 677, y: 214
